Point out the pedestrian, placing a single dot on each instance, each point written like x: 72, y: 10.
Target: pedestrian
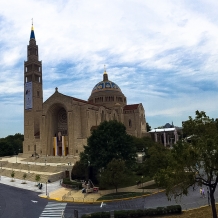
x: 201, y: 191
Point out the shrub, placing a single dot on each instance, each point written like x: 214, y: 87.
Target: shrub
x: 150, y: 212
x: 174, y: 209
x: 72, y: 183
x: 121, y: 214
x: 24, y: 176
x: 100, y: 215
x: 37, y: 178
x: 138, y: 213
x: 85, y: 216
x: 161, y: 210
x: 12, y: 175
x: 133, y: 213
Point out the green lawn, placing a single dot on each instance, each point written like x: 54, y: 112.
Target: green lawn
x: 121, y: 195
x: 153, y: 186
x: 130, y: 180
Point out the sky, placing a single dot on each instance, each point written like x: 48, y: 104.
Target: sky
x: 161, y: 53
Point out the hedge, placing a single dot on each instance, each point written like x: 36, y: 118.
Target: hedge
x: 72, y: 184
x: 173, y: 209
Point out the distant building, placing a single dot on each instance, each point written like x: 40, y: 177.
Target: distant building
x: 61, y: 125
x: 167, y: 135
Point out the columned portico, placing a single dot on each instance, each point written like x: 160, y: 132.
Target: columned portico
x: 166, y: 136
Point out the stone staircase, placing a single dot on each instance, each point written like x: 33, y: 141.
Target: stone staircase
x: 47, y: 172
x: 52, y: 159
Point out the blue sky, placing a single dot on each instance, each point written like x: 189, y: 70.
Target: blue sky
x: 161, y: 53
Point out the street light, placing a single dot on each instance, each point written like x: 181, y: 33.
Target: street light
x: 46, y: 188
x: 142, y: 183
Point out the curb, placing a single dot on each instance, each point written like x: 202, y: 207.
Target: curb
x: 96, y: 202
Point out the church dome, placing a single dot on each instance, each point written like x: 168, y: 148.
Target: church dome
x: 106, y: 85
x: 107, y: 93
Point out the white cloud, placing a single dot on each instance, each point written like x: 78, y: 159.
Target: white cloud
x: 161, y: 56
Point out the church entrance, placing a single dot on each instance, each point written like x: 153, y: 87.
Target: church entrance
x: 59, y: 128
x: 59, y: 151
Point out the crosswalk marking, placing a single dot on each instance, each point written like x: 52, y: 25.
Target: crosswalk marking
x: 53, y: 209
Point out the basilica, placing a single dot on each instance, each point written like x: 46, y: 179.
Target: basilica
x: 61, y: 125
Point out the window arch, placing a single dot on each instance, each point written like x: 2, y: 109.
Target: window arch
x: 130, y: 123
x: 102, y: 116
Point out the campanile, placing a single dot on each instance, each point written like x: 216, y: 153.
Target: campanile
x: 33, y: 96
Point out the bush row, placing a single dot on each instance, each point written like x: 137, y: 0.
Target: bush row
x: 72, y: 184
x: 173, y: 209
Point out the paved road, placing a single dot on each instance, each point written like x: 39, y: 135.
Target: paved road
x: 20, y: 203
x: 193, y: 200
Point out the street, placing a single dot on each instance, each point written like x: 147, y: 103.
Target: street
x: 20, y: 203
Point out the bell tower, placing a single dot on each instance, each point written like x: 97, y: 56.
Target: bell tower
x: 33, y: 97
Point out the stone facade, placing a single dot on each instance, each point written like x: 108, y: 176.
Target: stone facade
x: 61, y: 125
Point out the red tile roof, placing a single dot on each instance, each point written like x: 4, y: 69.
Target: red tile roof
x: 131, y: 107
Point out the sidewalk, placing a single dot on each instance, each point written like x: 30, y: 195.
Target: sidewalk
x: 69, y: 195
x: 30, y: 185
x: 58, y: 193
x: 55, y: 191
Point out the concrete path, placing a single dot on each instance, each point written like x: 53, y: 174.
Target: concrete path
x: 54, y: 191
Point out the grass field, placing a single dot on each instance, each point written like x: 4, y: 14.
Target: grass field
x: 204, y: 212
x: 121, y: 195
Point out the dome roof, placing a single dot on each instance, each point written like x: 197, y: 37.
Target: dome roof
x: 106, y: 85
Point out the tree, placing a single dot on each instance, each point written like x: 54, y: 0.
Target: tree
x: 12, y: 175
x: 12, y: 144
x: 109, y: 141
x: 114, y: 174
x: 24, y: 177
x: 148, y: 127
x: 79, y: 171
x: 142, y: 144
x: 195, y: 162
x: 157, y: 158
x: 37, y: 178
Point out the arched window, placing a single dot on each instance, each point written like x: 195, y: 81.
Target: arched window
x: 130, y: 123
x: 102, y: 116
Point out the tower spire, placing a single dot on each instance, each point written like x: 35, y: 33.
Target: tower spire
x: 105, y: 76
x: 32, y: 34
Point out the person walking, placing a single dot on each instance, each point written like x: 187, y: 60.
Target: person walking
x: 201, y: 191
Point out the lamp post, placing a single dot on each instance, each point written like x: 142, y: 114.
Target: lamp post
x: 46, y: 188
x: 142, y: 183
x: 88, y: 170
